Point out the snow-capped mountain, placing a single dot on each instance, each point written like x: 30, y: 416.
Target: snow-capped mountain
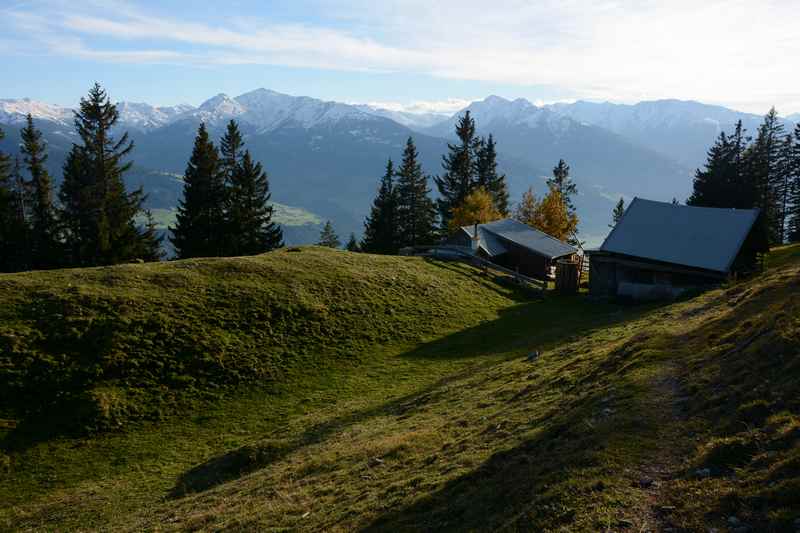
x: 682, y: 130
x: 267, y: 111
x: 14, y: 111
x: 143, y: 116
x: 794, y: 118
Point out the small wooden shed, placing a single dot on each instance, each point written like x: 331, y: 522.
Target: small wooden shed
x: 514, y: 245
x: 659, y: 250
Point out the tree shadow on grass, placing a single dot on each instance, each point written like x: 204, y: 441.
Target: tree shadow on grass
x: 529, y: 325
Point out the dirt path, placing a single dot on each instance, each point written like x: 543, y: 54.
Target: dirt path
x: 653, y: 514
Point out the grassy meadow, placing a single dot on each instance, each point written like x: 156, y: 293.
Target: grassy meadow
x: 321, y: 390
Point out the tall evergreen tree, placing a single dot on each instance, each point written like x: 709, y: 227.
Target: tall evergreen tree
x: 416, y: 212
x: 94, y: 191
x: 13, y: 241
x: 724, y: 180
x: 249, y: 218
x: 380, y: 228
x: 328, y: 237
x: 197, y: 232
x: 44, y: 242
x: 562, y: 181
x: 764, y: 166
x: 459, y: 166
x: 231, y: 149
x: 616, y: 214
x: 487, y: 176
x: 794, y: 190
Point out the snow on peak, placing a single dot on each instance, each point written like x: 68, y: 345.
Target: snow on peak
x: 144, y: 116
x: 14, y: 111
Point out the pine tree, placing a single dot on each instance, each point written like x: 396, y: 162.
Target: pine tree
x: 416, y: 212
x: 44, y: 242
x: 460, y: 164
x: 13, y: 241
x: 794, y: 190
x: 94, y: 192
x: 487, y: 176
x: 765, y: 168
x: 616, y: 214
x: 380, y: 228
x: 231, y: 149
x: 724, y: 182
x: 478, y: 208
x: 328, y: 237
x: 249, y: 218
x: 564, y: 184
x: 200, y: 211
x: 352, y: 244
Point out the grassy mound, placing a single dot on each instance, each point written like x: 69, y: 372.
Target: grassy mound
x: 94, y: 348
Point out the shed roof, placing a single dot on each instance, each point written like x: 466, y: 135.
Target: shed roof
x: 703, y: 237
x: 493, y: 234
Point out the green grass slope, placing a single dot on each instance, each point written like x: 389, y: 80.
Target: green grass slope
x: 684, y: 417
x: 96, y: 348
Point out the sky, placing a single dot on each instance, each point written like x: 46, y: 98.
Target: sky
x: 416, y: 55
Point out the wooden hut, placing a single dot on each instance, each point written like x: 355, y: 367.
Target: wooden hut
x: 660, y: 250
x: 514, y: 245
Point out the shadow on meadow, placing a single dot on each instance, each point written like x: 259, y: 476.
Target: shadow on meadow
x: 532, y: 325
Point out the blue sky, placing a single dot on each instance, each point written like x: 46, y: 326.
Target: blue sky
x: 412, y: 54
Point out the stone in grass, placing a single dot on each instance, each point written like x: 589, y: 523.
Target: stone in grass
x: 702, y: 473
x: 533, y: 356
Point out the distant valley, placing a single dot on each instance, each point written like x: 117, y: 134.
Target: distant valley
x: 324, y: 159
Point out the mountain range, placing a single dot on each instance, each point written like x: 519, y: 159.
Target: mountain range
x: 326, y: 157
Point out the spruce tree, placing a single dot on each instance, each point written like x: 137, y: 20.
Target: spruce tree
x: 44, y: 242
x: 488, y: 178
x: 200, y: 211
x: 249, y: 218
x: 765, y: 168
x: 328, y: 237
x: 13, y: 231
x: 416, y: 212
x: 616, y: 214
x: 460, y: 165
x: 94, y: 191
x: 794, y: 190
x: 564, y: 184
x: 380, y: 228
x: 724, y: 180
x: 352, y: 244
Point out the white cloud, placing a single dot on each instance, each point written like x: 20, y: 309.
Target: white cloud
x: 733, y: 52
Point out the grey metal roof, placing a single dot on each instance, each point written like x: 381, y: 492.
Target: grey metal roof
x: 492, y: 235
x: 701, y: 237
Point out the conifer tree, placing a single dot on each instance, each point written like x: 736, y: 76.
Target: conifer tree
x: 352, y: 244
x: 617, y: 213
x: 794, y: 190
x: 765, y: 168
x: 487, y: 176
x: 44, y: 241
x: 564, y: 184
x: 94, y: 192
x: 197, y: 232
x: 459, y: 166
x: 328, y: 237
x: 231, y: 149
x: 380, y: 228
x: 13, y: 242
x: 724, y: 182
x: 416, y: 212
x: 249, y: 217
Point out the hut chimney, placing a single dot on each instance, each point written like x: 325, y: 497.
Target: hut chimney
x: 476, y: 239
